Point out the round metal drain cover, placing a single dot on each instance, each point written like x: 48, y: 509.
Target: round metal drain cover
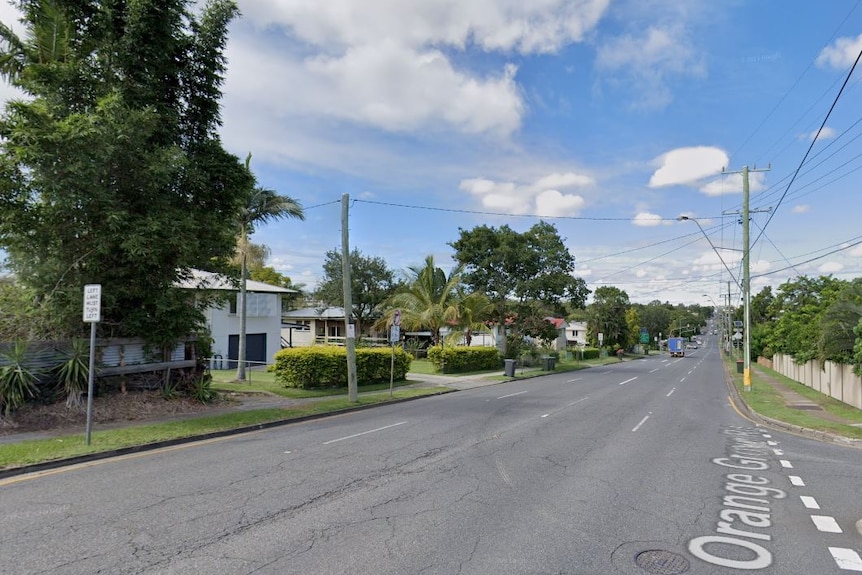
x: 661, y: 562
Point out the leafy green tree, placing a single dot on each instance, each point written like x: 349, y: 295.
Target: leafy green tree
x: 429, y: 298
x: 800, y: 305
x: 607, y: 315
x: 371, y: 281
x: 111, y: 169
x: 261, y: 206
x: 655, y: 317
x: 633, y: 327
x: 518, y: 271
x: 837, y: 322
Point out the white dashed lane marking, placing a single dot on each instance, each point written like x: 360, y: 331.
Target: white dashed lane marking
x: 846, y: 558
x: 826, y: 524
x: 796, y: 481
x: 809, y: 502
x: 785, y: 464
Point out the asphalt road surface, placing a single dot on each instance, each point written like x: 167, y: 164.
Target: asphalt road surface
x: 638, y: 467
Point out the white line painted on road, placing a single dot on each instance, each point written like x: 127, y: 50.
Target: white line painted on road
x: 767, y: 436
x: 364, y: 433
x: 655, y: 370
x: 511, y: 395
x: 574, y: 380
x: 683, y: 379
x: 826, y: 524
x: 796, y: 481
x: 771, y: 443
x: 638, y: 426
x: 670, y: 392
x: 628, y: 380
x: 578, y: 401
x: 546, y: 415
x: 785, y: 464
x: 287, y: 452
x: 809, y: 502
x: 777, y: 452
x: 846, y: 558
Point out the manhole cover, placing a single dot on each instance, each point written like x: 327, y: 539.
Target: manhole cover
x: 661, y: 562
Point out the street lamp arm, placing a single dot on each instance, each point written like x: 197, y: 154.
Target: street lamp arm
x: 687, y: 219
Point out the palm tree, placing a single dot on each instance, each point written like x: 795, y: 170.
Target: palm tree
x: 262, y: 205
x: 429, y: 300
x: 473, y: 310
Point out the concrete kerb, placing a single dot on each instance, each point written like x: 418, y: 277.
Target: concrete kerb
x: 743, y: 408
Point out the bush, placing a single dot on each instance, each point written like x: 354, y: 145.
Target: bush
x: 326, y: 366
x: 461, y: 359
x: 588, y: 353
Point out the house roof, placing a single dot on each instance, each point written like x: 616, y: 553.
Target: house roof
x: 200, y: 279
x: 315, y: 313
x: 558, y: 322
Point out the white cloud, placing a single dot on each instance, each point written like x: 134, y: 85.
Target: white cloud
x: 530, y: 198
x: 646, y: 219
x: 541, y: 26
x: 826, y: 133
x: 648, y: 61
x: 801, y: 209
x: 732, y: 184
x: 830, y: 268
x: 841, y: 54
x: 387, y: 64
x: 712, y: 260
x: 856, y: 252
x: 687, y: 165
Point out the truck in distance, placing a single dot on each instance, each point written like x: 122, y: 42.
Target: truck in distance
x: 676, y: 346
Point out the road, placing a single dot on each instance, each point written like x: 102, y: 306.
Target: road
x: 637, y: 467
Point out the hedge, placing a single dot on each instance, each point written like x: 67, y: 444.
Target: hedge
x: 326, y: 366
x: 460, y: 359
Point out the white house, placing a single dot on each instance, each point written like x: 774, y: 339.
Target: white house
x: 303, y: 327
x: 576, y: 333
x: 263, y: 320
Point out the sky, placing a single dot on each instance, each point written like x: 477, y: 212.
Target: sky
x: 609, y: 119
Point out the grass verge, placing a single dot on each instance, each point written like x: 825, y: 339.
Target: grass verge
x: 38, y: 451
x: 764, y: 399
x: 264, y: 381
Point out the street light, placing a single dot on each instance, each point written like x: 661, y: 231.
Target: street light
x: 745, y: 287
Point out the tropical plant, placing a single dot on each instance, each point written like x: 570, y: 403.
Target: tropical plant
x: 17, y: 380
x: 261, y: 205
x: 428, y: 300
x: 74, y: 373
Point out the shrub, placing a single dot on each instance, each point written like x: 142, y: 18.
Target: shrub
x: 461, y: 359
x: 326, y: 366
x: 17, y: 380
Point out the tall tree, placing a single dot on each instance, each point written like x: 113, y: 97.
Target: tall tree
x: 608, y: 316
x: 261, y: 205
x: 516, y: 271
x: 112, y: 170
x: 371, y: 281
x: 429, y: 300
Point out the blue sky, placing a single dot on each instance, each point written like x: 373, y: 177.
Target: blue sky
x: 608, y: 119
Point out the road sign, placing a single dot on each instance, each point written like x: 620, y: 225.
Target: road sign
x: 601, y: 337
x: 394, y: 334
x: 92, y: 303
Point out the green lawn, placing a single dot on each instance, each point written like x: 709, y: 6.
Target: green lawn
x: 37, y: 451
x: 264, y: 381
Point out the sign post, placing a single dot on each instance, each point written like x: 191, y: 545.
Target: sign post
x: 92, y: 315
x: 394, y: 337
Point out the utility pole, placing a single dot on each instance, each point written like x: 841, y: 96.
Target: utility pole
x: 746, y: 278
x: 350, y: 341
